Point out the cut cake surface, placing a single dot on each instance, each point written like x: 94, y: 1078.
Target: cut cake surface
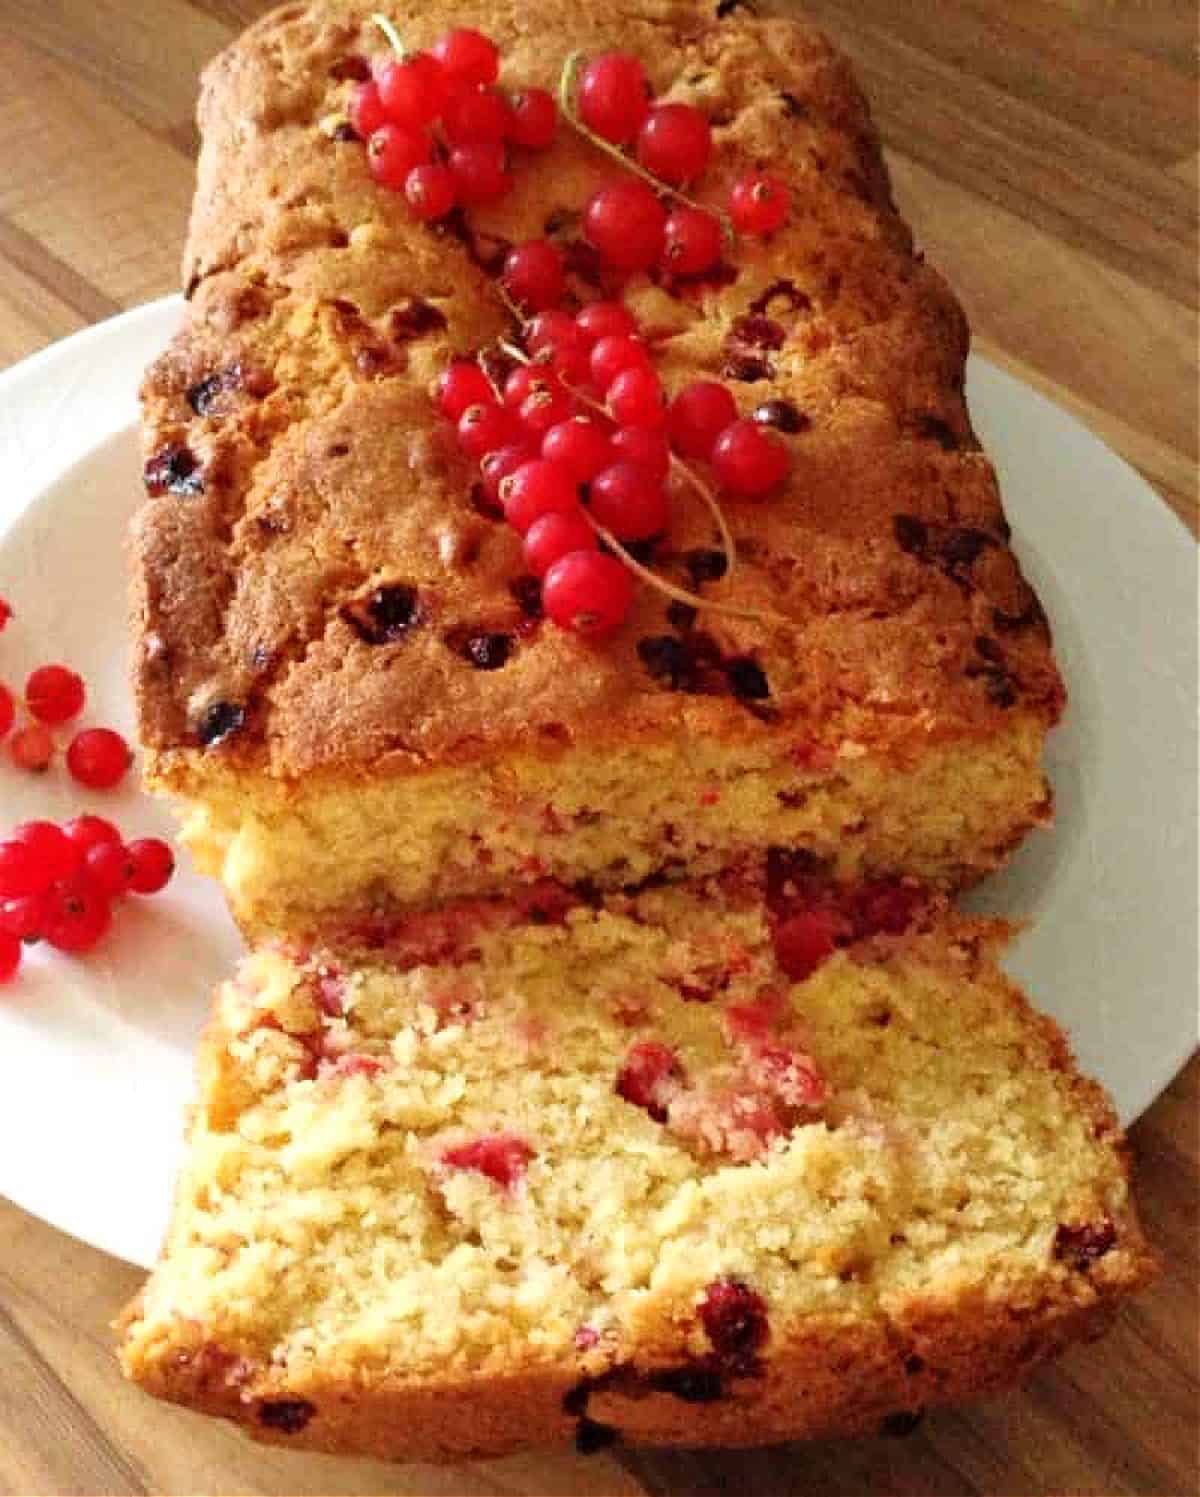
x: 312, y: 564
x: 618, y: 1174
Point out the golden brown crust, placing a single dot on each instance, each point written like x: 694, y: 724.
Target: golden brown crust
x: 299, y: 389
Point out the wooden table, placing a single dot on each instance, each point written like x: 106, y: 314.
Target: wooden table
x: 1046, y: 152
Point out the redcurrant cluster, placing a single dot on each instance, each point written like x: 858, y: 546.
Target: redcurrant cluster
x: 54, y: 695
x: 563, y: 467
x: 438, y: 130
x: 59, y: 883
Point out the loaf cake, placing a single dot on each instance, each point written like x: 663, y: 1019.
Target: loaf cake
x: 618, y: 1175
x: 317, y: 579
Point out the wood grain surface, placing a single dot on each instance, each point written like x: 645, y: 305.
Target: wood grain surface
x: 1046, y: 153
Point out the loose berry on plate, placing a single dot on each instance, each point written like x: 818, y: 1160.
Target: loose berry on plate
x: 581, y: 445
x: 77, y: 916
x: 32, y: 747
x: 647, y: 446
x: 698, y: 415
x: 24, y: 916
x: 98, y: 758
x: 412, y: 90
x: 21, y: 871
x: 546, y: 408
x: 475, y: 116
x: 8, y: 710
x: 691, y: 243
x: 54, y: 694
x: 430, y: 191
x: 614, y: 96
x: 10, y: 956
x: 626, y: 223
x: 89, y: 831
x: 674, y: 143
x: 461, y: 384
x: 153, y: 865
x: 550, y: 328
x: 524, y: 381
x: 636, y: 398
x: 589, y: 593
x: 605, y: 319
x: 533, y: 121
x: 479, y: 172
x: 758, y: 203
x: 749, y: 460
x: 629, y: 501
x: 5, y: 613
x: 536, y: 489
x: 613, y: 355
x: 367, y: 113
x: 108, y: 868
x: 392, y: 152
x: 555, y: 536
x: 533, y: 275
x: 482, y: 428
x: 467, y: 56
x: 498, y: 464
x: 56, y: 855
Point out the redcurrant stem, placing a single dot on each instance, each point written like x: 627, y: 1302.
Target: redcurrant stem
x: 389, y: 30
x: 566, y: 101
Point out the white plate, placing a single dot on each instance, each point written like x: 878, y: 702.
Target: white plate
x: 95, y: 1055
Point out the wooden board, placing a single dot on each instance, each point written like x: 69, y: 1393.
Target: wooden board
x: 1046, y: 153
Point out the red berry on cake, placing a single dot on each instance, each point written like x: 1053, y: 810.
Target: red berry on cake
x: 581, y: 445
x: 484, y: 427
x: 645, y: 446
x: 629, y: 501
x: 698, y: 415
x: 636, y: 398
x: 533, y: 275
x: 674, y: 143
x: 626, y: 223
x: 535, y: 489
x: 502, y: 1157
x: 393, y: 151
x: 691, y: 243
x: 749, y: 460
x: 473, y: 115
x: 589, y: 593
x: 614, y: 96
x: 479, y: 172
x: 555, y: 536
x: 533, y: 119
x: 612, y: 355
x: 366, y: 110
x: 467, y: 56
x: 430, y: 191
x: 412, y: 89
x: 605, y: 319
x: 758, y: 204
x: 461, y: 384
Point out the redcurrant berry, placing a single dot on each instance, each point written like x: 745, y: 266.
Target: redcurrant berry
x: 533, y: 275
x: 546, y: 408
x: 588, y: 592
x: 483, y: 428
x: 536, y: 489
x: 567, y: 360
x: 479, y: 172
x: 430, y: 192
x: 534, y: 119
x: 749, y: 460
x: 497, y: 465
x: 629, y: 501
x: 21, y: 871
x: 605, y: 319
x: 108, y: 869
x: 461, y: 384
x: 524, y: 381
x: 614, y: 96
x: 5, y: 613
x: 758, y: 203
x: 635, y: 398
x: 76, y: 916
x: 625, y: 222
x: 153, y: 865
x: 32, y: 747
x: 24, y: 917
x: 692, y: 242
x: 57, y: 856
x: 10, y: 956
x: 367, y: 113
x: 392, y: 152
x: 90, y: 831
x: 646, y: 446
x: 467, y: 55
x: 474, y: 115
x: 698, y: 415
x: 674, y: 143
x: 550, y: 328
x: 613, y: 355
x: 54, y: 694
x: 581, y: 445
x: 412, y: 89
x: 555, y: 536
x: 98, y: 758
x: 8, y: 710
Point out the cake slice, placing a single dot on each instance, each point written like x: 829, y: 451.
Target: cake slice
x: 620, y: 1176
x: 342, y: 671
